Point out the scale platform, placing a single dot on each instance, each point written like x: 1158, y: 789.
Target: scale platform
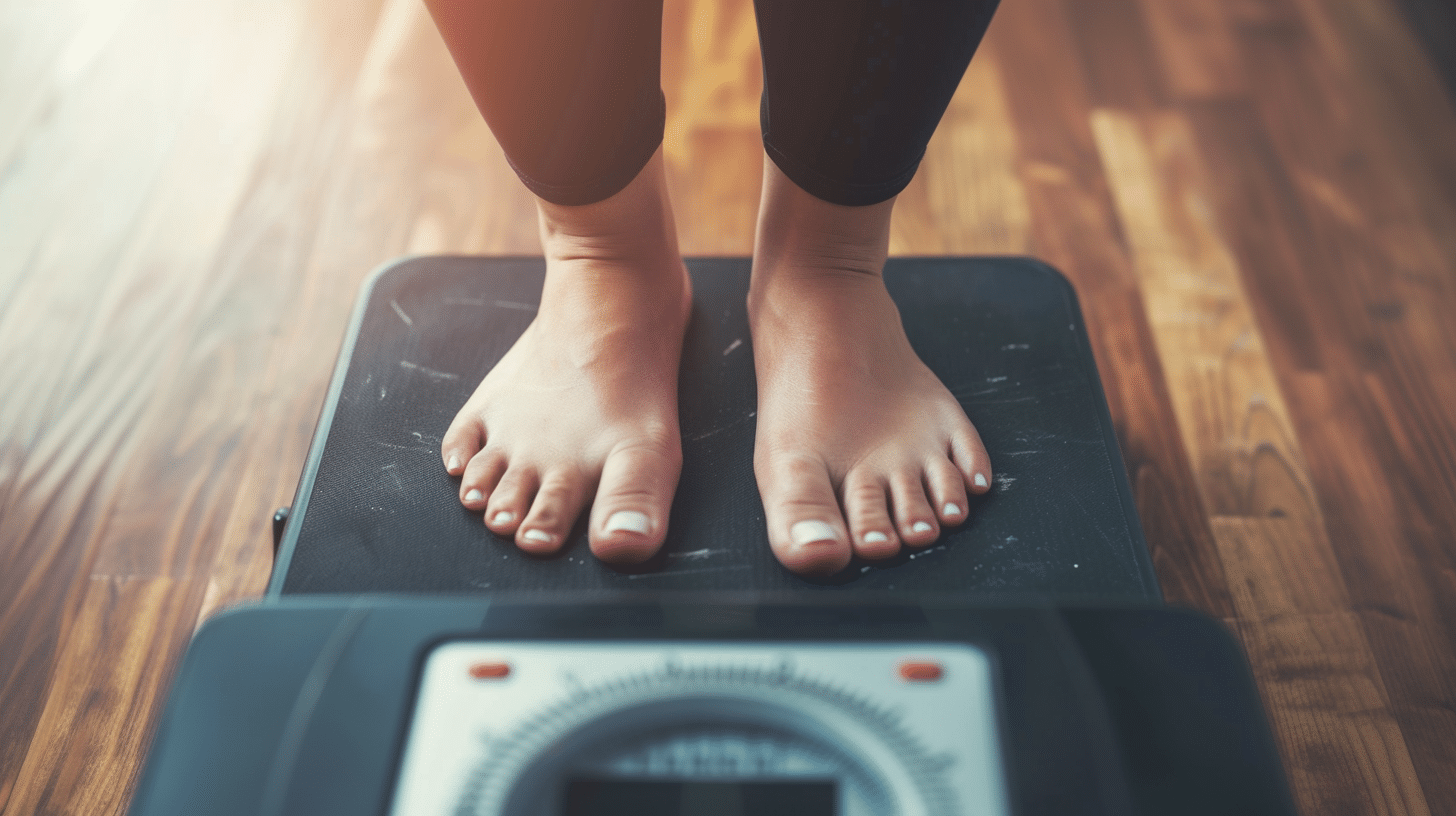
x: 376, y: 512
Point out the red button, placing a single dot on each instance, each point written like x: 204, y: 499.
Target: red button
x: 921, y: 671
x: 490, y: 671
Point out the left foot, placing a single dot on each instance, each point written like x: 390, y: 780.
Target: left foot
x: 859, y: 446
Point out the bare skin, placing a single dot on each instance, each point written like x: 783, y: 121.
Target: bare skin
x: 859, y: 447
x: 585, y: 403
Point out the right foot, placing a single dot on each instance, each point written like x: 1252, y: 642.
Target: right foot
x: 859, y: 447
x: 585, y: 402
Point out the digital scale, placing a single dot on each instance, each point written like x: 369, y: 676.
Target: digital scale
x: 408, y: 662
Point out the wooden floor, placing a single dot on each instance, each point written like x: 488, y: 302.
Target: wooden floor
x: 1256, y: 200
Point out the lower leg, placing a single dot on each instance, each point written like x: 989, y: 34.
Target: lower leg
x: 585, y: 402
x: 859, y: 448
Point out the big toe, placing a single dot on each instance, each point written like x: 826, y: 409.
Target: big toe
x: 805, y: 526
x: 629, y: 516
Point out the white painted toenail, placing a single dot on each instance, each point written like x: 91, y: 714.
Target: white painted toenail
x: 875, y: 537
x: 503, y: 517
x: 454, y: 463
x: 474, y: 495
x: 629, y: 520
x: 538, y: 535
x: 951, y: 509
x: 921, y: 527
x: 980, y: 480
x: 808, y: 532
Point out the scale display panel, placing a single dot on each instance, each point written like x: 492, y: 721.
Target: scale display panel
x: 583, y: 728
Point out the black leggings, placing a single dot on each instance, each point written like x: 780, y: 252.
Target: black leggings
x: 853, y: 89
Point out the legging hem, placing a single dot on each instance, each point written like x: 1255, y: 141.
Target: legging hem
x: 836, y: 190
x: 617, y: 177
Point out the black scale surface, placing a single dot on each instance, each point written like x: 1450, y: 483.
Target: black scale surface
x: 376, y: 512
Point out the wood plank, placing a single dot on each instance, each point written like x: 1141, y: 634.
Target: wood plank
x: 102, y: 253
x: 1252, y: 474
x: 712, y: 78
x: 1227, y: 399
x: 1327, y: 703
x: 967, y: 197
x: 1369, y: 55
x: 1117, y: 54
x: 1389, y: 539
x: 1380, y: 508
x: 107, y: 692
x: 123, y: 384
x: 1334, y: 213
x: 1196, y: 47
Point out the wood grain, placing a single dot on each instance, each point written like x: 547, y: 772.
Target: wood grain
x: 1256, y: 200
x: 109, y: 677
x: 1250, y: 469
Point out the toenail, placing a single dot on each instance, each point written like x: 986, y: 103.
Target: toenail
x: 454, y: 463
x: 538, y: 535
x: 875, y: 537
x: 921, y: 527
x: 980, y: 480
x: 629, y: 520
x: 474, y: 495
x: 951, y: 509
x: 809, y: 532
x: 503, y: 517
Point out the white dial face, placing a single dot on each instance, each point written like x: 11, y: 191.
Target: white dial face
x: 502, y: 728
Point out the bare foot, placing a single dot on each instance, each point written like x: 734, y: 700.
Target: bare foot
x: 859, y: 447
x: 585, y: 402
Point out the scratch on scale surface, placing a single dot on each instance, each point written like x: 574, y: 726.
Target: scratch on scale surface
x: 733, y: 345
x: 722, y: 428
x: 400, y: 312
x: 1100, y: 534
x: 704, y: 570
x: 1003, y: 481
x: 504, y: 304
x: 414, y: 448
x: 428, y: 372
x: 694, y: 555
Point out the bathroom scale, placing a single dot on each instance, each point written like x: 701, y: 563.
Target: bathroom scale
x: 375, y: 510
x: 862, y: 704
x: 406, y: 661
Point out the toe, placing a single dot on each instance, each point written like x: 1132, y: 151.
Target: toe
x: 867, y: 509
x: 463, y: 439
x: 629, y: 516
x: 947, y: 489
x: 914, y: 516
x: 480, y: 478
x: 507, y: 504
x: 557, y: 504
x: 805, y: 527
x: 969, y: 455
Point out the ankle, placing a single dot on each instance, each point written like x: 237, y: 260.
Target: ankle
x: 635, y: 226
x: 800, y: 237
